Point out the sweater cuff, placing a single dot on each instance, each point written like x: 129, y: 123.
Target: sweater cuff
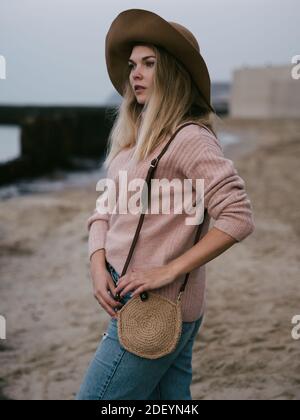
x: 238, y: 230
x: 97, y: 236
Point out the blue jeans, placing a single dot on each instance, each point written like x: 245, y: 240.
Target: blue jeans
x: 116, y: 374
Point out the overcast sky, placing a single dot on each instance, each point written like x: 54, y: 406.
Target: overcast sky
x: 54, y: 49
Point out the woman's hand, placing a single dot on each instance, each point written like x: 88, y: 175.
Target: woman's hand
x: 104, y: 287
x: 143, y: 280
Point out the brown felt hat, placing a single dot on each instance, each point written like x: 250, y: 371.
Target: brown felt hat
x: 138, y: 25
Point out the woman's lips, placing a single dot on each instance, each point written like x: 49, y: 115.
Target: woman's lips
x: 139, y: 90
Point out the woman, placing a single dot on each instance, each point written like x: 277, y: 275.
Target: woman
x: 163, y: 58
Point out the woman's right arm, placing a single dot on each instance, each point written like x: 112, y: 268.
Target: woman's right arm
x: 103, y: 285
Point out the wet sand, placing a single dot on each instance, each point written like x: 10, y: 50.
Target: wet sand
x: 244, y: 349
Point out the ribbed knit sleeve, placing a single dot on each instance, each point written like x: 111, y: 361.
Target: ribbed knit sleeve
x: 97, y: 234
x: 97, y: 225
x: 225, y: 196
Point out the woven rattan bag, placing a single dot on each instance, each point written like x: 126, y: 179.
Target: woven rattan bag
x: 150, y: 325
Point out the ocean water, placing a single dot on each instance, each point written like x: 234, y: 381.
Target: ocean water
x: 9, y: 142
x: 56, y: 181
x: 10, y: 148
x: 227, y: 138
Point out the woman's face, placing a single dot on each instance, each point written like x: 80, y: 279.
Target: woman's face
x: 141, y: 64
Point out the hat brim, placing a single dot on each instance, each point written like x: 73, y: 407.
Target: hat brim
x: 138, y: 25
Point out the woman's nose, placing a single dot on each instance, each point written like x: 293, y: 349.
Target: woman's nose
x: 137, y: 72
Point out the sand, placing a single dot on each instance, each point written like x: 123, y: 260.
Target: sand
x: 244, y: 349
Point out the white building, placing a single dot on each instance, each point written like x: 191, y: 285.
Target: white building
x: 265, y: 92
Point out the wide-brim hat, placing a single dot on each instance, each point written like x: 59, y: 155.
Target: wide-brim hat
x: 138, y: 25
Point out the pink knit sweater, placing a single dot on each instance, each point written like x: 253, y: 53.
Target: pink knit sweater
x: 193, y: 153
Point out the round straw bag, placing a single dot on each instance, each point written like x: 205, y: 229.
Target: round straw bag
x: 150, y: 328
x: 150, y: 325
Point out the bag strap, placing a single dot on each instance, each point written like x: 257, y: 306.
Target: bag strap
x: 150, y: 174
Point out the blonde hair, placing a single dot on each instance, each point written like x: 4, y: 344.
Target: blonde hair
x: 174, y: 99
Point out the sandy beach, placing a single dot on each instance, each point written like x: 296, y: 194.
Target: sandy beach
x: 244, y: 349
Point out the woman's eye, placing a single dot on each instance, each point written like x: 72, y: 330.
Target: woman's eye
x: 149, y: 63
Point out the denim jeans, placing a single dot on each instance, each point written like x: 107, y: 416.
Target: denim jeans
x: 116, y: 374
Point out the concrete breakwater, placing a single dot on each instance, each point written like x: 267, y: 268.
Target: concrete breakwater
x: 55, y: 137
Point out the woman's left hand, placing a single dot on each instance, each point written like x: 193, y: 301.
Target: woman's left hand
x: 143, y: 280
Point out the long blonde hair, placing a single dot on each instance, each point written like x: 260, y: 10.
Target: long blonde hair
x: 174, y: 100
